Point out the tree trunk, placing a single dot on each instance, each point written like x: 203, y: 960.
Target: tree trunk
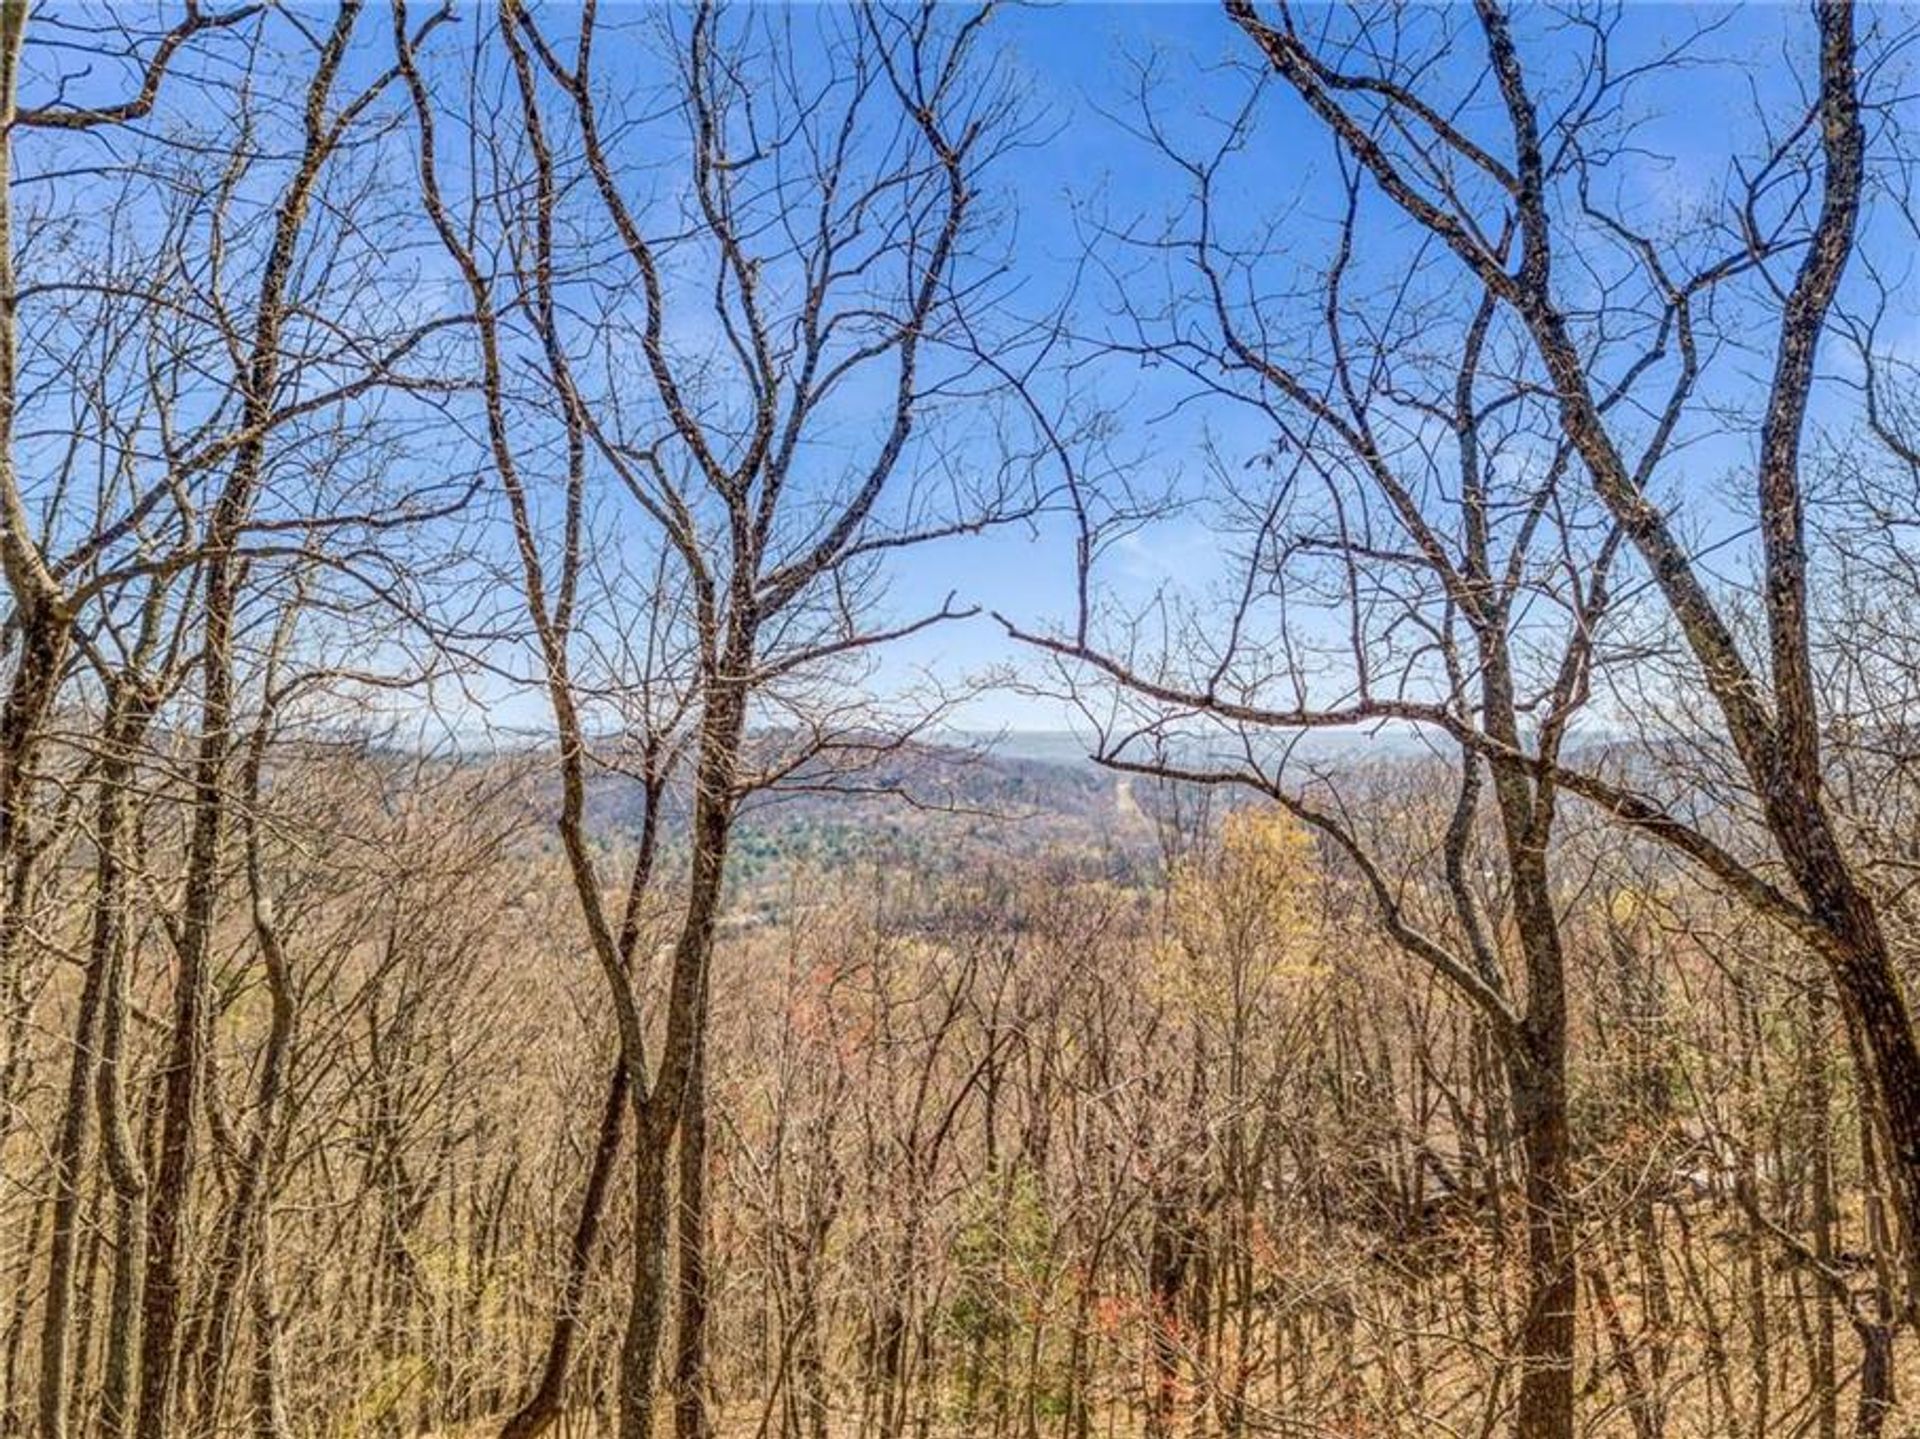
x: 646, y: 1311
x: 93, y: 1063
x: 658, y: 1115
x: 1547, y: 1331
x: 1870, y: 990
x: 186, y: 1049
x: 543, y: 1406
x: 242, y: 1228
x: 1876, y: 1381
x: 68, y: 1157
x: 186, y: 1053
x: 1823, y: 1215
x: 245, y: 1228
x: 266, y: 1387
x: 125, y: 1166
x: 1166, y: 1272
x: 690, y: 1417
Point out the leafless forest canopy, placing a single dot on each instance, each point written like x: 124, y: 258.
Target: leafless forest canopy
x: 509, y: 926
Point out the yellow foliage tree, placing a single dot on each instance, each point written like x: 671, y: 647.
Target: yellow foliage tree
x: 1239, y: 921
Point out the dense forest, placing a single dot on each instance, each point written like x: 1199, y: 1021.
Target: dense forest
x: 898, y: 721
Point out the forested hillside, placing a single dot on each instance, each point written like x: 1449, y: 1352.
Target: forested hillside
x: 910, y: 721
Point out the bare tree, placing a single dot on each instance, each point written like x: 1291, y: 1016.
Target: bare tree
x: 1418, y: 1025
x: 775, y: 553
x: 1408, y: 556
x: 1515, y: 212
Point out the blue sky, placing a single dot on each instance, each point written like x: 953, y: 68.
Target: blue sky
x: 1085, y: 170
x: 1072, y: 58
x: 1695, y: 123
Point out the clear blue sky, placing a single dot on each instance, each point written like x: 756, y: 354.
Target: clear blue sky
x: 1076, y: 63
x: 1078, y: 58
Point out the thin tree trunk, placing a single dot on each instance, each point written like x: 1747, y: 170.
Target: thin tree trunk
x: 69, y: 1152
x: 658, y: 1114
x: 186, y: 1054
x: 186, y: 1051
x: 120, y: 1381
x: 244, y: 1228
x: 85, y: 1067
x: 1819, y: 1097
x: 267, y: 1385
x: 548, y: 1399
x: 543, y: 1406
x: 125, y: 1166
x: 42, y: 640
x: 690, y: 1417
x: 1873, y: 1314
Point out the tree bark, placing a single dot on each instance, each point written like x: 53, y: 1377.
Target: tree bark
x: 95, y: 1063
x: 125, y: 1166
x: 1547, y: 1330
x: 690, y: 1417
x: 188, y: 1040
x: 659, y: 1113
x: 543, y: 1406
